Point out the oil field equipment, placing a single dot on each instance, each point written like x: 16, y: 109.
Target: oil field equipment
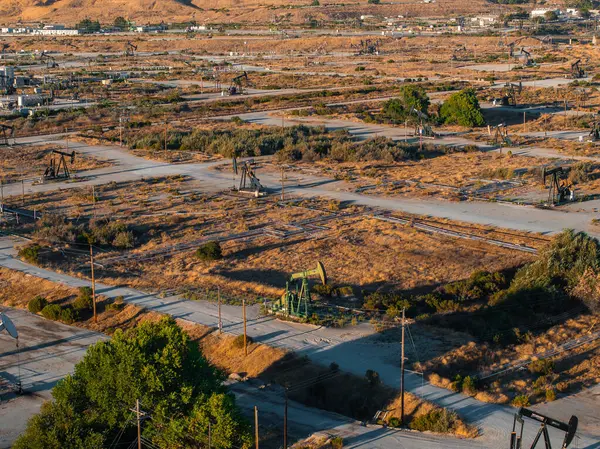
x: 7, y: 131
x: 501, y: 135
x: 558, y: 191
x: 249, y: 183
x: 516, y: 441
x: 296, y: 300
x: 422, y: 128
x: 510, y: 92
x: 367, y: 47
x: 58, y: 167
x: 130, y: 49
x: 595, y: 131
x: 576, y: 70
x: 237, y: 84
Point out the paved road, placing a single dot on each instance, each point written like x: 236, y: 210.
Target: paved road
x: 354, y: 349
x: 48, y: 352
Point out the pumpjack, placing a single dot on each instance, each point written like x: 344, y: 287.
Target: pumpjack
x: 48, y: 60
x: 558, y: 191
x: 5, y: 135
x: 570, y: 428
x: 576, y: 70
x: 595, y: 131
x: 510, y: 92
x: 249, y: 183
x: 130, y: 49
x: 296, y: 300
x: 422, y: 128
x: 237, y: 84
x: 501, y: 135
x: 58, y: 167
x: 367, y: 47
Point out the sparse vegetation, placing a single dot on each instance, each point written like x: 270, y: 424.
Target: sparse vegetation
x: 37, y: 304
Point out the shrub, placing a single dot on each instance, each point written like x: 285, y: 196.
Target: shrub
x: 36, y: 304
x: 468, y: 386
x: 117, y: 304
x: 437, y: 420
x: 238, y: 342
x: 68, y: 315
x: 30, y: 253
x: 84, y: 299
x: 457, y: 384
x: 338, y: 442
x: 210, y: 251
x: 52, y: 312
x: 124, y: 240
x: 372, y: 377
x: 550, y: 395
x: 394, y: 422
x: 521, y: 400
x: 543, y: 366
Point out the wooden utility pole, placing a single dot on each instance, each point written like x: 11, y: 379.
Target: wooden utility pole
x: 166, y: 129
x: 402, y: 371
x: 524, y: 122
x: 93, y: 283
x: 282, y: 183
x: 139, y: 415
x: 219, y: 307
x: 256, y: 425
x: 94, y: 199
x: 245, y: 334
x: 22, y: 192
x: 285, y: 420
x: 2, y: 192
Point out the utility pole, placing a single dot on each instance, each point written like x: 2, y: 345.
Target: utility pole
x: 140, y: 415
x: 402, y: 371
x: 166, y: 129
x: 22, y: 192
x: 256, y: 425
x: 94, y: 199
x: 282, y: 183
x: 285, y: 420
x: 245, y: 334
x: 93, y: 282
x: 524, y: 122
x: 219, y: 306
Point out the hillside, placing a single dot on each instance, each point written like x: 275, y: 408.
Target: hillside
x: 224, y: 11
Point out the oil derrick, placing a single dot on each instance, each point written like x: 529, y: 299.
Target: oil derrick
x: 559, y: 190
x: 7, y: 131
x: 516, y: 441
x: 58, y: 167
x: 296, y: 300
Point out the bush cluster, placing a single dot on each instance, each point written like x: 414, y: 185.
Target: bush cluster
x: 37, y: 304
x: 437, y: 420
x: 210, y: 251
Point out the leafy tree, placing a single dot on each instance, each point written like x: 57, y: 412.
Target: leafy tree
x: 210, y: 251
x: 462, y: 108
x: 88, y: 26
x: 155, y: 363
x: 121, y: 23
x: 412, y: 97
x: 550, y: 16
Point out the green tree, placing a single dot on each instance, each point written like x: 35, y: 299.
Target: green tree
x: 550, y: 16
x: 121, y: 23
x: 462, y: 108
x: 88, y: 26
x: 412, y: 97
x: 155, y: 363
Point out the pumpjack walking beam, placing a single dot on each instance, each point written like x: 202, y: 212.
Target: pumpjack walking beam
x: 569, y: 428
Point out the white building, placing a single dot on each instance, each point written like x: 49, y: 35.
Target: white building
x: 55, y: 32
x: 483, y: 21
x: 542, y: 12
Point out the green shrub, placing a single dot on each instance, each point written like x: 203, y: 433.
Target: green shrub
x: 373, y: 378
x: 210, y: 251
x: 30, y: 253
x: 238, y: 342
x: 84, y: 299
x: 68, y: 315
x: 457, y: 384
x: 52, y: 312
x: 117, y: 304
x: 124, y: 240
x: 543, y: 366
x: 468, y: 386
x: 521, y: 400
x: 394, y: 422
x: 338, y: 442
x: 437, y: 420
x: 36, y: 304
x: 550, y: 395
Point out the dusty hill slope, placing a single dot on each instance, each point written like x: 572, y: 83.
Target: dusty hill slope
x: 225, y: 11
